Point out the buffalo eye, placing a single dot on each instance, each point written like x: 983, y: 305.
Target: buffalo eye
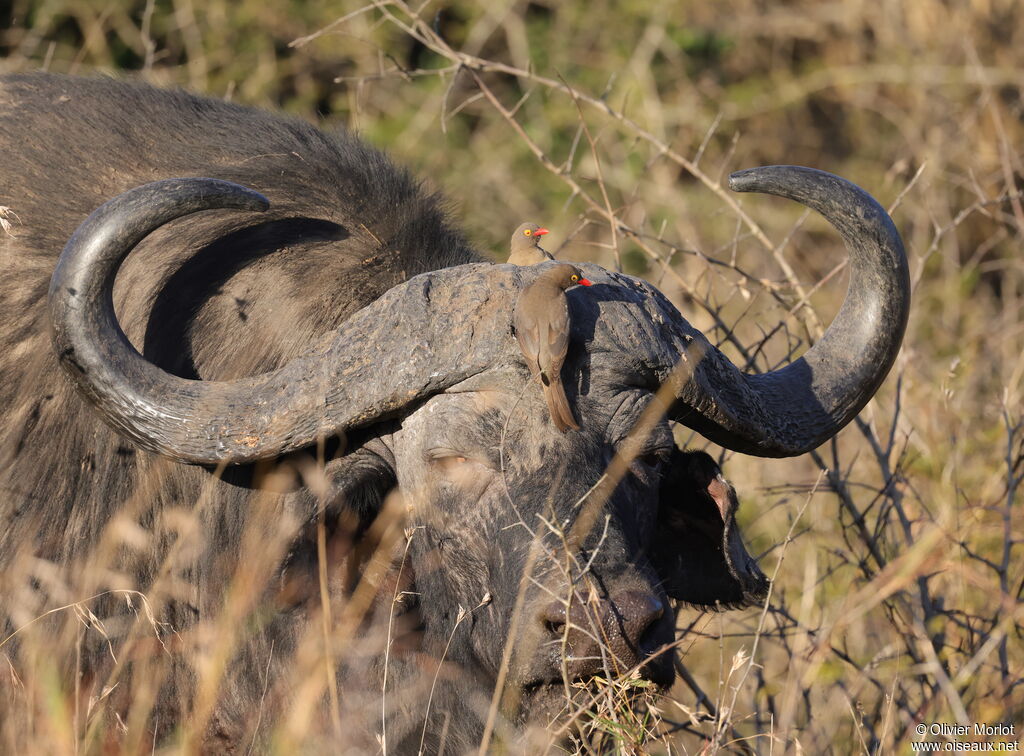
x: 449, y: 463
x: 468, y: 474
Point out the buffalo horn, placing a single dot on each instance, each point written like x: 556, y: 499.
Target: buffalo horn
x: 398, y: 349
x: 798, y: 407
x: 402, y: 347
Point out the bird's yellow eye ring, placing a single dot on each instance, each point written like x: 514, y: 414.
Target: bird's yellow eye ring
x: 574, y: 278
x: 527, y: 232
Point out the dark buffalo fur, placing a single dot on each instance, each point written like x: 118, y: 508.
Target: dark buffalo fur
x: 345, y: 225
x: 221, y: 295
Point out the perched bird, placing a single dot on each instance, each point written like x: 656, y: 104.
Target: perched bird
x: 526, y: 249
x: 541, y: 320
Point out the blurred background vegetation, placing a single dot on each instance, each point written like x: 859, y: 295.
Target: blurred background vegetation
x: 895, y: 549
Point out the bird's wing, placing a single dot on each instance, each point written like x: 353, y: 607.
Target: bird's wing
x: 557, y: 333
x: 528, y: 336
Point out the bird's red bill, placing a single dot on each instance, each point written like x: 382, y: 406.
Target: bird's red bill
x: 584, y: 282
x: 541, y: 232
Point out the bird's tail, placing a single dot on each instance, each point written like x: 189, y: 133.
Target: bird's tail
x: 558, y: 406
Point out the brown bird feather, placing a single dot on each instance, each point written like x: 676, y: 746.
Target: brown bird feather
x: 541, y: 320
x: 525, y: 246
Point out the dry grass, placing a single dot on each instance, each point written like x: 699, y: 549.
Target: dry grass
x: 898, y: 601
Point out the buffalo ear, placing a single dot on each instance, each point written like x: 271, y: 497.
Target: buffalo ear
x: 350, y: 489
x: 359, y: 482
x: 697, y: 548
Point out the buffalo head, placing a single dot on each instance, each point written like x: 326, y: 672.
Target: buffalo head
x: 533, y: 557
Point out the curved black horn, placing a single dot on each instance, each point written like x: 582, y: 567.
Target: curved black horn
x: 795, y: 409
x: 402, y: 348
x: 398, y: 349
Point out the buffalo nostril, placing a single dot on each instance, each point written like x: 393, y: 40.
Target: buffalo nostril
x: 589, y: 635
x: 553, y: 617
x: 638, y: 610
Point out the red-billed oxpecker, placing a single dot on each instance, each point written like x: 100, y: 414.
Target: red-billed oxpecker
x: 541, y: 320
x: 526, y: 249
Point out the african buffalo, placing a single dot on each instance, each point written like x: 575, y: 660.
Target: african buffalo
x: 316, y: 423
